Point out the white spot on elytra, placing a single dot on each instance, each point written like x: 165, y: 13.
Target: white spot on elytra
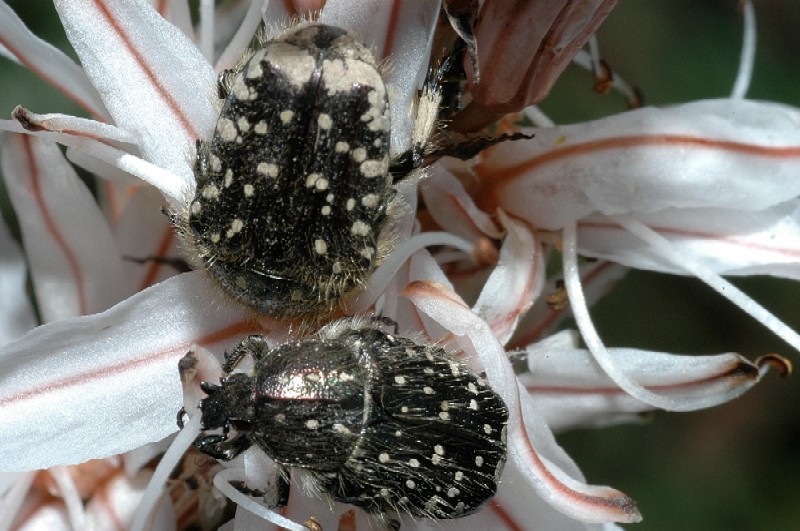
x: 320, y: 247
x: 236, y: 227
x: 210, y: 191
x: 351, y: 204
x: 413, y: 463
x: 228, y: 178
x: 261, y: 128
x: 341, y: 147
x: 312, y: 424
x: 321, y: 184
x: 286, y: 116
x: 324, y: 121
x: 400, y: 380
x: 370, y: 200
x: 296, y: 64
x: 311, y: 179
x: 427, y: 390
x: 374, y: 168
x: 473, y: 405
x: 383, y: 458
x: 478, y: 461
x: 249, y: 190
x: 326, y: 210
x: 410, y: 484
x: 267, y: 169
x: 359, y: 154
x: 226, y: 130
x: 487, y: 429
x: 215, y: 164
x: 243, y: 124
x: 254, y: 66
x: 359, y: 228
x: 439, y: 449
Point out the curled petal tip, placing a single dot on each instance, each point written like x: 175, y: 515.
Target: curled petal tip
x: 777, y: 362
x: 23, y: 116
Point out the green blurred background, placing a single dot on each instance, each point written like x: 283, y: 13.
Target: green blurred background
x: 731, y: 467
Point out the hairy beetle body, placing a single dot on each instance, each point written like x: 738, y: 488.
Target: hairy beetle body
x: 293, y: 188
x: 377, y: 420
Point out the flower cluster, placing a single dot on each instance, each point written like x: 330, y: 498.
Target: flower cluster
x: 89, y: 380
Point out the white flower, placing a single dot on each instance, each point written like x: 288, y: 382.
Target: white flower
x: 100, y: 376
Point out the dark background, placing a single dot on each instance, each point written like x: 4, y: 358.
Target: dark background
x: 732, y: 467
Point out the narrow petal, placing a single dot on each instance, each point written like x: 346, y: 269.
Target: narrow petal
x: 94, y: 386
x: 572, y: 390
x: 648, y: 160
x: 453, y: 209
x: 154, y: 80
x: 16, y: 310
x: 75, y: 265
x: 729, y: 242
x: 48, y: 62
x: 72, y: 125
x: 173, y: 187
x: 516, y: 281
x: 531, y: 444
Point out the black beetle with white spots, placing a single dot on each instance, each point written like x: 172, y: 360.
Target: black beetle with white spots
x: 294, y: 188
x: 388, y: 423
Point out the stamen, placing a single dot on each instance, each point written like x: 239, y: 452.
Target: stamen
x: 745, y: 74
x: 538, y: 117
x: 222, y: 482
x: 11, y: 500
x: 233, y: 51
x: 207, y: 29
x: 72, y: 499
x: 691, y: 264
x: 592, y: 338
x: 388, y: 269
x: 584, y: 60
x: 155, y: 488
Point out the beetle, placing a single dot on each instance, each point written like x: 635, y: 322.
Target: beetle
x: 294, y: 189
x: 389, y: 423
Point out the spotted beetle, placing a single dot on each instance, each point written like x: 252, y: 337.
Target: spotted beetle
x: 388, y: 423
x: 294, y: 187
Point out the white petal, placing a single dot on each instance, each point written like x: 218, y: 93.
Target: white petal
x: 516, y: 281
x: 104, y: 384
x: 49, y: 63
x: 153, y: 80
x: 16, y: 311
x: 143, y: 232
x: 734, y: 154
x: 453, y: 209
x: 571, y: 389
x: 75, y: 265
x: 729, y: 242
